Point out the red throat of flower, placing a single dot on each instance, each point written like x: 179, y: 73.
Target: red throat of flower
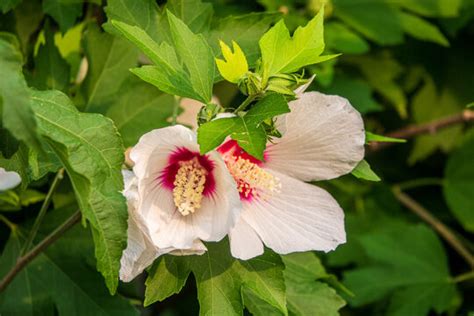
x: 252, y: 180
x: 189, y: 175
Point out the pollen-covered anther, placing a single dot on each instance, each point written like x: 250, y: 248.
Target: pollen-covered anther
x: 189, y: 186
x: 251, y: 179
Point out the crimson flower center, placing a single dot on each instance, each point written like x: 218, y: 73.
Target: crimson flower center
x: 189, y: 176
x: 252, y: 180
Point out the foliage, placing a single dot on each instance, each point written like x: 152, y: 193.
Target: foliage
x: 83, y: 80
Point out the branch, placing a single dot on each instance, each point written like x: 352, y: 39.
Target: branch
x: 438, y: 226
x: 426, y: 128
x: 45, y: 243
x: 42, y: 212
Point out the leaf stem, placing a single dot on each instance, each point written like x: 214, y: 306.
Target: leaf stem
x: 463, y: 277
x: 421, y: 182
x: 438, y: 226
x: 246, y: 102
x: 45, y: 243
x: 7, y: 222
x: 426, y: 128
x: 47, y: 201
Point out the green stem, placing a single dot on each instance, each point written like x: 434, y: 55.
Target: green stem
x: 246, y: 102
x: 416, y: 183
x: 8, y: 223
x: 33, y: 253
x: 446, y: 233
x: 463, y: 277
x: 42, y: 212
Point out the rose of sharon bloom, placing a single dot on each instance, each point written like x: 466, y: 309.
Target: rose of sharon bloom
x: 182, y: 196
x: 8, y: 179
x: 323, y: 138
x: 141, y: 251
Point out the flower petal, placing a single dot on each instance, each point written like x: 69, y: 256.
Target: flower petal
x: 301, y: 217
x: 244, y: 241
x: 140, y: 251
x: 151, y: 153
x: 8, y: 179
x: 323, y: 138
x: 198, y: 249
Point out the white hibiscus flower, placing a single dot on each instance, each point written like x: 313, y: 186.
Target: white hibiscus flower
x: 182, y: 197
x: 8, y: 179
x: 323, y: 138
x: 141, y: 251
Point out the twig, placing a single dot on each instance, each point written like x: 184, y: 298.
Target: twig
x: 463, y: 277
x: 45, y: 243
x: 246, y: 102
x: 427, y: 128
x: 421, y: 182
x: 438, y: 226
x: 42, y: 211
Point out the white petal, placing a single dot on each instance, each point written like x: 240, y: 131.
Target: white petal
x: 301, y: 89
x: 8, y: 179
x: 211, y: 222
x: 323, y: 138
x: 151, y: 153
x: 244, y: 241
x: 140, y: 252
x: 301, y: 217
x: 198, y: 249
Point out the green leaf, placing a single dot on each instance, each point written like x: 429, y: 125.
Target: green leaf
x: 51, y: 70
x: 234, y: 66
x: 165, y: 278
x: 197, y: 15
x: 28, y: 16
x: 140, y: 108
x: 364, y: 17
x: 305, y: 295
x: 244, y: 29
x: 252, y: 138
x: 363, y: 171
x: 421, y: 29
x: 220, y: 279
x: 371, y: 137
x: 146, y: 15
x: 7, y: 5
x: 141, y: 13
x: 282, y: 53
x: 424, y: 111
x: 59, y: 280
x: 18, y: 117
x: 356, y: 90
x: 168, y: 74
x: 408, y: 265
x: 382, y: 72
x: 196, y: 55
x: 268, y: 107
x: 458, y: 185
x: 92, y: 154
x: 246, y: 130
x: 432, y: 8
x: 340, y: 38
x: 110, y: 59
x: 65, y: 12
